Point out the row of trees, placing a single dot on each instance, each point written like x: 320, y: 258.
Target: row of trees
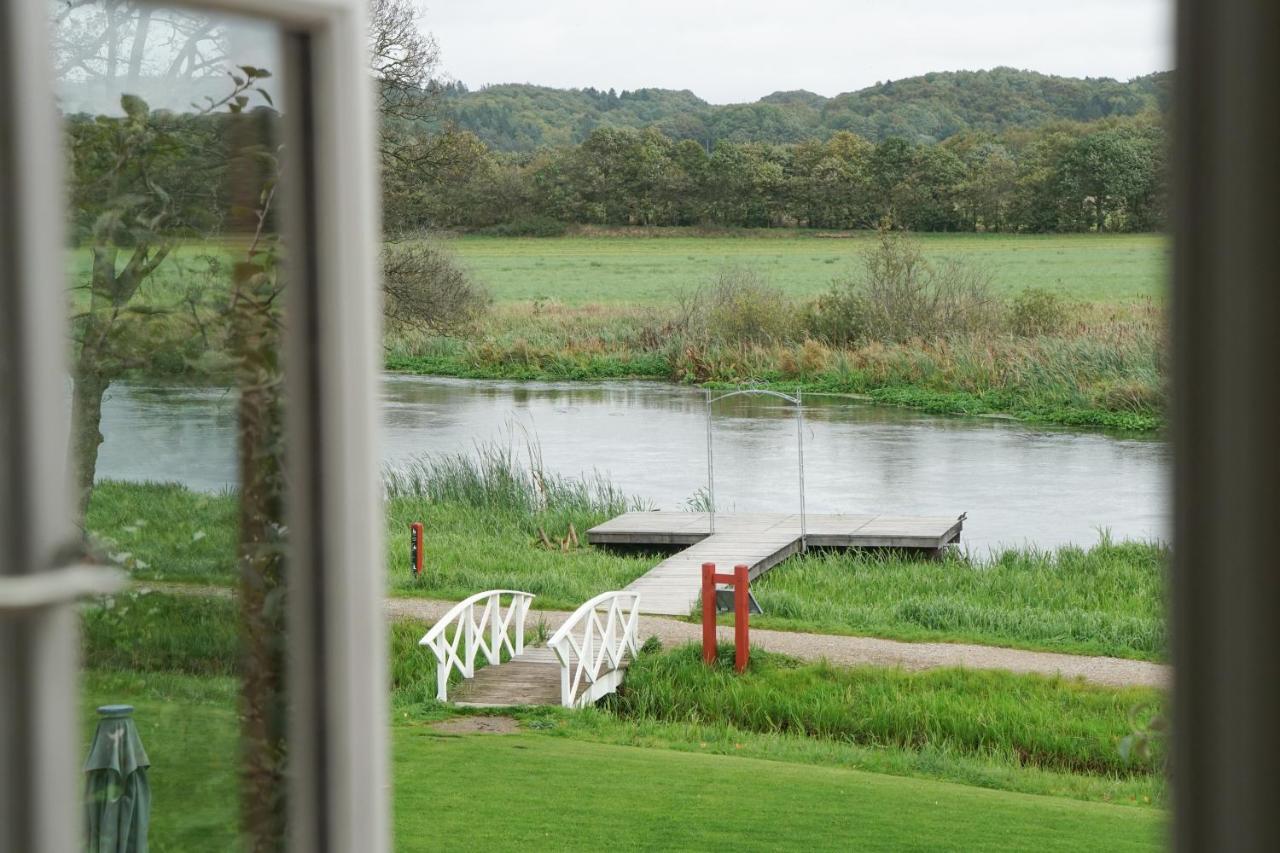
x: 924, y: 109
x: 1065, y: 176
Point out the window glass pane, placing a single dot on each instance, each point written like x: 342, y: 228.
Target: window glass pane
x: 175, y: 313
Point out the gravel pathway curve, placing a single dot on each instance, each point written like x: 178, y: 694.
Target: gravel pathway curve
x: 837, y: 649
x: 856, y: 651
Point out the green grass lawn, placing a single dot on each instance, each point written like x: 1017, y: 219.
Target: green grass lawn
x: 653, y: 270
x: 567, y: 795
x: 563, y: 792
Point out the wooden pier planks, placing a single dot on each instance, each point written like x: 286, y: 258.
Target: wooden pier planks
x: 761, y: 540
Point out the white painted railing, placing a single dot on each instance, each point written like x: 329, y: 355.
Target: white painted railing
x: 593, y: 650
x: 470, y: 619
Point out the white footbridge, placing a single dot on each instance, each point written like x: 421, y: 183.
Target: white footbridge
x: 583, y: 661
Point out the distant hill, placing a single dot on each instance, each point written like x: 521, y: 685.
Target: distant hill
x: 929, y: 108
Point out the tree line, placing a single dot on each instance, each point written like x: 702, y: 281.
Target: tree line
x: 926, y: 108
x: 1105, y: 175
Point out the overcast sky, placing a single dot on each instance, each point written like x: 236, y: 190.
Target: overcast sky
x: 739, y: 51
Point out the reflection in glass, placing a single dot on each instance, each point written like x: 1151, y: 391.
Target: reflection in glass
x: 172, y: 141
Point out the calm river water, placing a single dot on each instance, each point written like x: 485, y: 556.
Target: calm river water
x: 1018, y: 483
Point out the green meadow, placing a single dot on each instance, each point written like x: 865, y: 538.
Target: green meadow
x: 614, y: 268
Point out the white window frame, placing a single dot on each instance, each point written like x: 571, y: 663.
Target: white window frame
x: 338, y: 778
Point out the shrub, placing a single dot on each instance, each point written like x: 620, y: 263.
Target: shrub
x: 526, y: 226
x: 739, y: 306
x: 427, y: 291
x: 899, y: 296
x: 839, y: 317
x: 1036, y: 311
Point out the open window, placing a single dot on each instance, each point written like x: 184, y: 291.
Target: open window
x: 189, y: 187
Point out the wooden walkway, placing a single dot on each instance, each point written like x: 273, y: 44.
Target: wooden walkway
x: 761, y: 540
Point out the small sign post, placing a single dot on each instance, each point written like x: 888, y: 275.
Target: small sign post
x: 415, y: 548
x: 740, y: 581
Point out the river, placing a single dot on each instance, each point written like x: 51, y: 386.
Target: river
x: 1020, y: 484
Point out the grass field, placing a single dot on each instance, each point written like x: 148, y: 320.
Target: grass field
x: 567, y: 795
x: 446, y: 787
x: 646, y: 270
x: 481, y: 534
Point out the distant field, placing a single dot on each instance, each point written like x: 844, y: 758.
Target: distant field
x: 652, y: 270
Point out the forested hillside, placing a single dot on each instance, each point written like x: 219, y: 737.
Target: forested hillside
x: 929, y: 108
x: 1104, y: 175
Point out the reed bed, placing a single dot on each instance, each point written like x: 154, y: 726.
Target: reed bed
x: 1102, y: 365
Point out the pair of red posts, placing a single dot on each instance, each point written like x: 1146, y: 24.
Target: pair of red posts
x: 739, y: 580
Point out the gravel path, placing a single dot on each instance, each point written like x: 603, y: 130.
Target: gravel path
x: 854, y: 651
x: 837, y: 649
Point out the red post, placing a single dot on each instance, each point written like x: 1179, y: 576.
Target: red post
x: 415, y: 548
x: 709, y: 613
x: 741, y: 615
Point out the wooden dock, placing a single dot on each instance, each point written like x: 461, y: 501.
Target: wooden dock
x: 761, y: 540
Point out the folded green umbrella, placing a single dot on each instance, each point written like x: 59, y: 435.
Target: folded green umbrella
x: 117, y: 798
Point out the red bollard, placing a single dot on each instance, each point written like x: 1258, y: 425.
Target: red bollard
x: 415, y: 548
x: 709, y: 613
x: 741, y: 613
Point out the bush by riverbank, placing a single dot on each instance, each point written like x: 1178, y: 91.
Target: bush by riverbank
x: 507, y: 523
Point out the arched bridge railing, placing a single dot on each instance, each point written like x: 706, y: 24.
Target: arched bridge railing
x: 593, y: 645
x: 479, y: 625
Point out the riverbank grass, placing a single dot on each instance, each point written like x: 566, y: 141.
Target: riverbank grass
x: 1106, y: 599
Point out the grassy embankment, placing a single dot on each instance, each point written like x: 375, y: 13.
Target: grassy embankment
x: 484, y: 514
x: 603, y: 307
x: 616, y: 306
x: 850, y: 743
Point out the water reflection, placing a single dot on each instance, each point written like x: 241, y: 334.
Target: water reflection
x: 1019, y: 484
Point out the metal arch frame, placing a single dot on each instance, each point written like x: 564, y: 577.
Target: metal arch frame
x: 798, y: 402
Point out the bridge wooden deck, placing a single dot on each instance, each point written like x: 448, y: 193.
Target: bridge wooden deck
x: 761, y: 540
x: 531, y: 678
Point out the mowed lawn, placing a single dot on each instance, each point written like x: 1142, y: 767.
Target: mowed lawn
x: 641, y: 270
x: 530, y: 792
x: 544, y: 792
